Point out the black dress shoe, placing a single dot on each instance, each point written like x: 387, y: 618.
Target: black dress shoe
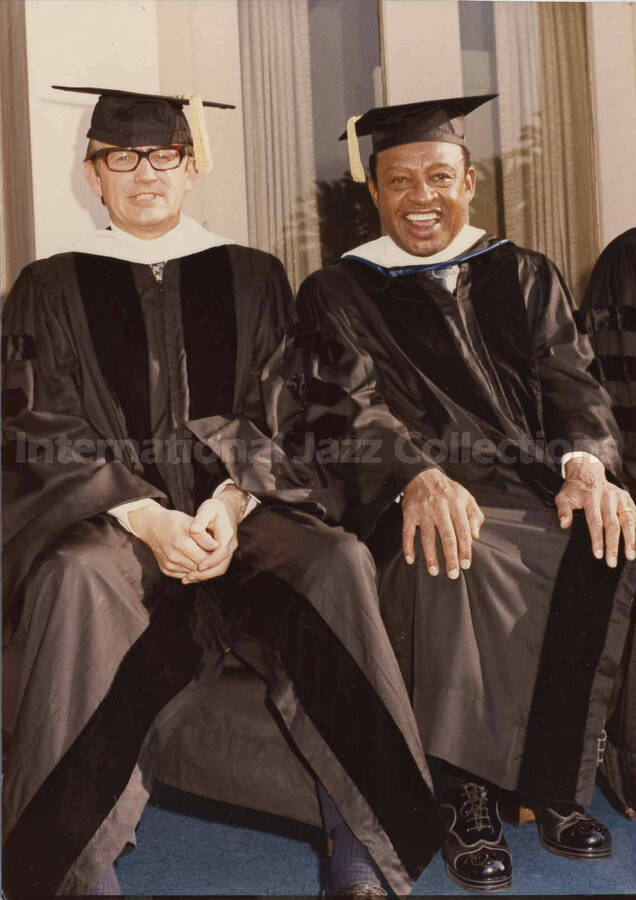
x: 576, y: 835
x: 475, y: 849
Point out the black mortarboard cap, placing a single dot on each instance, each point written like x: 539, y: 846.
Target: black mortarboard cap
x: 391, y: 126
x: 132, y: 119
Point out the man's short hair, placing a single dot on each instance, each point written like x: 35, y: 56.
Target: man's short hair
x: 373, y: 162
x: 91, y: 149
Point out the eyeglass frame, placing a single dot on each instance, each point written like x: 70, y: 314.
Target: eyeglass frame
x: 102, y: 153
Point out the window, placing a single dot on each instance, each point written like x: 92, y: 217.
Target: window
x: 346, y: 80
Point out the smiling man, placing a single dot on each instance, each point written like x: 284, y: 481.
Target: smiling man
x: 509, y: 612
x: 142, y: 407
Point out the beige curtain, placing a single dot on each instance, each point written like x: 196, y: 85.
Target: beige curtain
x: 547, y: 138
x: 17, y: 243
x: 279, y: 147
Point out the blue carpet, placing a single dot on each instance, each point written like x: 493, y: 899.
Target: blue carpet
x: 189, y: 846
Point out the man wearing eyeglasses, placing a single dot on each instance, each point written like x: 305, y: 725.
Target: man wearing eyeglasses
x: 143, y: 201
x: 143, y: 407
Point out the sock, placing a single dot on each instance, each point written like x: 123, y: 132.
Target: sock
x: 107, y: 884
x: 350, y: 862
x: 330, y: 814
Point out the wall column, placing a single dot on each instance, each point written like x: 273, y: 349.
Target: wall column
x: 16, y: 239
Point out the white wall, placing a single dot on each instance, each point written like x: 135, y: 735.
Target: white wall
x: 422, y: 55
x: 612, y: 47
x: 80, y: 42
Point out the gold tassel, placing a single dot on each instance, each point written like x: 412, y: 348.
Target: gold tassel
x: 202, y: 154
x: 355, y: 162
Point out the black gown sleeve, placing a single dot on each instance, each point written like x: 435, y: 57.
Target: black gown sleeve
x: 57, y: 467
x: 576, y: 409
x: 257, y: 444
x: 354, y: 433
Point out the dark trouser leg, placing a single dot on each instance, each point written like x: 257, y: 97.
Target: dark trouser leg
x: 447, y: 776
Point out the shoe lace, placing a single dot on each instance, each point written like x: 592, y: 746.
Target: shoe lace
x: 584, y: 824
x: 475, y: 808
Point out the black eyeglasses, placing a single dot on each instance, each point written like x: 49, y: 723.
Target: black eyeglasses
x: 126, y: 159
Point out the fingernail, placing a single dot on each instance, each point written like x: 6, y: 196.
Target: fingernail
x: 454, y: 573
x: 630, y: 554
x: 409, y: 560
x: 598, y: 552
x: 433, y: 570
x: 563, y: 521
x: 465, y: 564
x: 611, y: 562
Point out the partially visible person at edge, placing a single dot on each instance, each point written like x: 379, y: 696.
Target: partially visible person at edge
x: 609, y: 315
x: 131, y: 363
x: 508, y: 612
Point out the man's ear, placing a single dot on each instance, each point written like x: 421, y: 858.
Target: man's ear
x: 91, y: 177
x: 190, y: 173
x: 373, y: 190
x: 471, y: 183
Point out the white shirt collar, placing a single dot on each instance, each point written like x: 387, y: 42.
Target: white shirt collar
x: 385, y: 252
x: 185, y: 238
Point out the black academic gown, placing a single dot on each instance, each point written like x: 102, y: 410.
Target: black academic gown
x: 609, y: 313
x: 509, y: 667
x: 117, y: 388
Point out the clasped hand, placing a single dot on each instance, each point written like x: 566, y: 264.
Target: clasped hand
x: 191, y: 548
